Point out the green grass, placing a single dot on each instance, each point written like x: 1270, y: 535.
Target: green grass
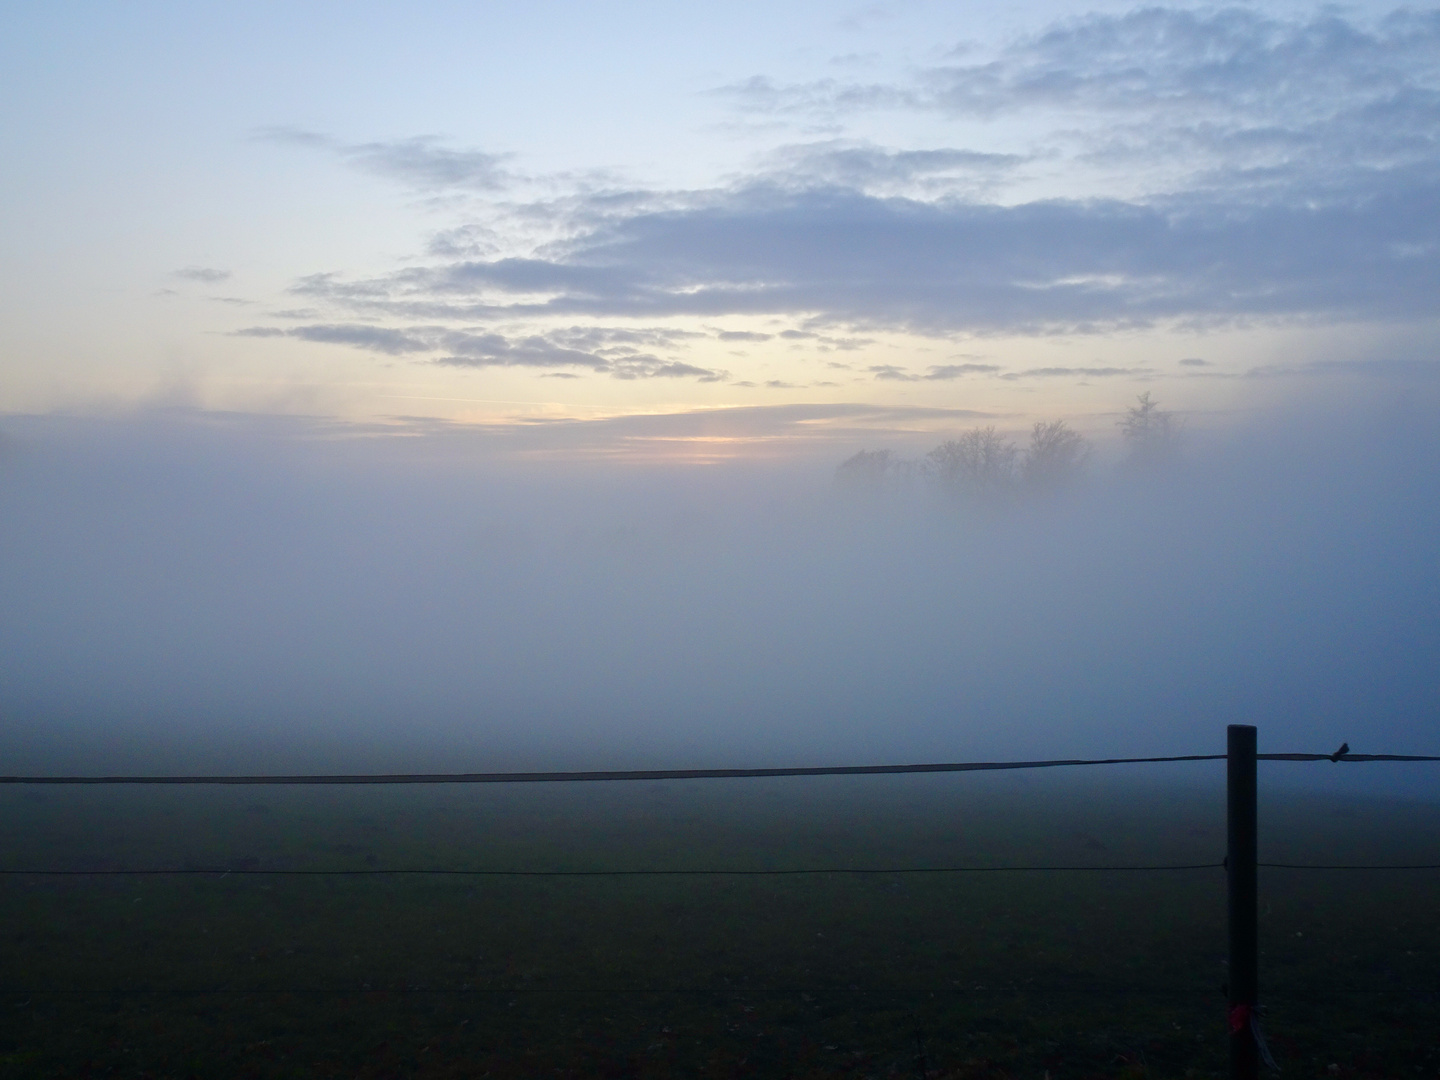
x: 949, y: 975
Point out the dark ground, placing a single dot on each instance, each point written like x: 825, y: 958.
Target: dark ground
x: 1024, y: 974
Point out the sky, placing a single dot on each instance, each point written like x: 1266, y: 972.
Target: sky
x: 408, y: 385
x: 499, y: 213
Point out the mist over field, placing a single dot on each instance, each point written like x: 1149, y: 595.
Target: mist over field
x: 183, y: 590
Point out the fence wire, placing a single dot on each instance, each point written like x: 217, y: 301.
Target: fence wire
x: 644, y: 774
x: 369, y: 871
x: 681, y: 774
x: 685, y: 774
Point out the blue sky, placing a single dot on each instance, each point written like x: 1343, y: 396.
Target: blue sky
x: 491, y: 213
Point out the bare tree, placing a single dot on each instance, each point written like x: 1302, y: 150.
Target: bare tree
x: 980, y: 463
x: 866, y: 469
x: 1152, y: 433
x: 1056, y: 456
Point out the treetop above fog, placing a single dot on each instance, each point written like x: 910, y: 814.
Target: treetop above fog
x: 986, y: 466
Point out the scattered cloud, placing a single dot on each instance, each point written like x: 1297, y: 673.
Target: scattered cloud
x: 1414, y: 371
x: 1227, y: 62
x: 370, y: 338
x: 1169, y: 98
x: 480, y: 350
x: 1074, y: 372
x: 606, y: 350
x: 955, y: 371
x: 207, y: 275
x: 471, y: 240
x: 742, y: 335
x: 865, y: 166
x: 892, y: 373
x: 622, y: 340
x: 845, y: 344
x: 421, y: 162
x: 821, y: 98
x: 288, y: 135
x: 645, y: 367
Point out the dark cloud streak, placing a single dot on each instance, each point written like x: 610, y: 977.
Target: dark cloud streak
x: 843, y: 257
x: 600, y: 349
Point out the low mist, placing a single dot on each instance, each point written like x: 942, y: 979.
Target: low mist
x: 193, y: 591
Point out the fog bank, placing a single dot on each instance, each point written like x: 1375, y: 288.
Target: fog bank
x: 183, y: 590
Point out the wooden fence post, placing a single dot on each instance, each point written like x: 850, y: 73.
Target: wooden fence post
x: 1243, y: 900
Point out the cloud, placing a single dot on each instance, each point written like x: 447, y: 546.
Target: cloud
x: 208, y: 275
x: 822, y: 97
x: 1073, y: 372
x: 1416, y: 371
x: 288, y: 135
x: 1227, y: 62
x: 742, y: 335
x: 1194, y: 361
x: 371, y: 338
x: 868, y: 167
x: 955, y: 371
x: 470, y: 240
x: 1228, y: 96
x: 650, y: 368
x: 1258, y: 169
x: 1212, y: 63
x: 622, y: 340
x: 497, y: 350
x: 847, y: 258
x: 420, y: 162
x: 892, y: 373
x: 608, y: 350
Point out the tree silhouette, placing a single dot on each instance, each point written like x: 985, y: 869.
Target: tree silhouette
x: 865, y: 469
x: 1056, y: 456
x: 980, y: 463
x: 1152, y: 434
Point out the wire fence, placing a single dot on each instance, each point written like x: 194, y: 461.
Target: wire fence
x: 370, y: 871
x: 682, y: 774
x: 220, y: 872
x: 591, y: 776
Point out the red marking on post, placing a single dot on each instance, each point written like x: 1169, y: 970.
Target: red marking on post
x: 1239, y: 1019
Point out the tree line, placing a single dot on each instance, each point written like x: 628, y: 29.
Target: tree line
x: 986, y: 465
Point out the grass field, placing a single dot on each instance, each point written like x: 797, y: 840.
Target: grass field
x: 1015, y: 974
